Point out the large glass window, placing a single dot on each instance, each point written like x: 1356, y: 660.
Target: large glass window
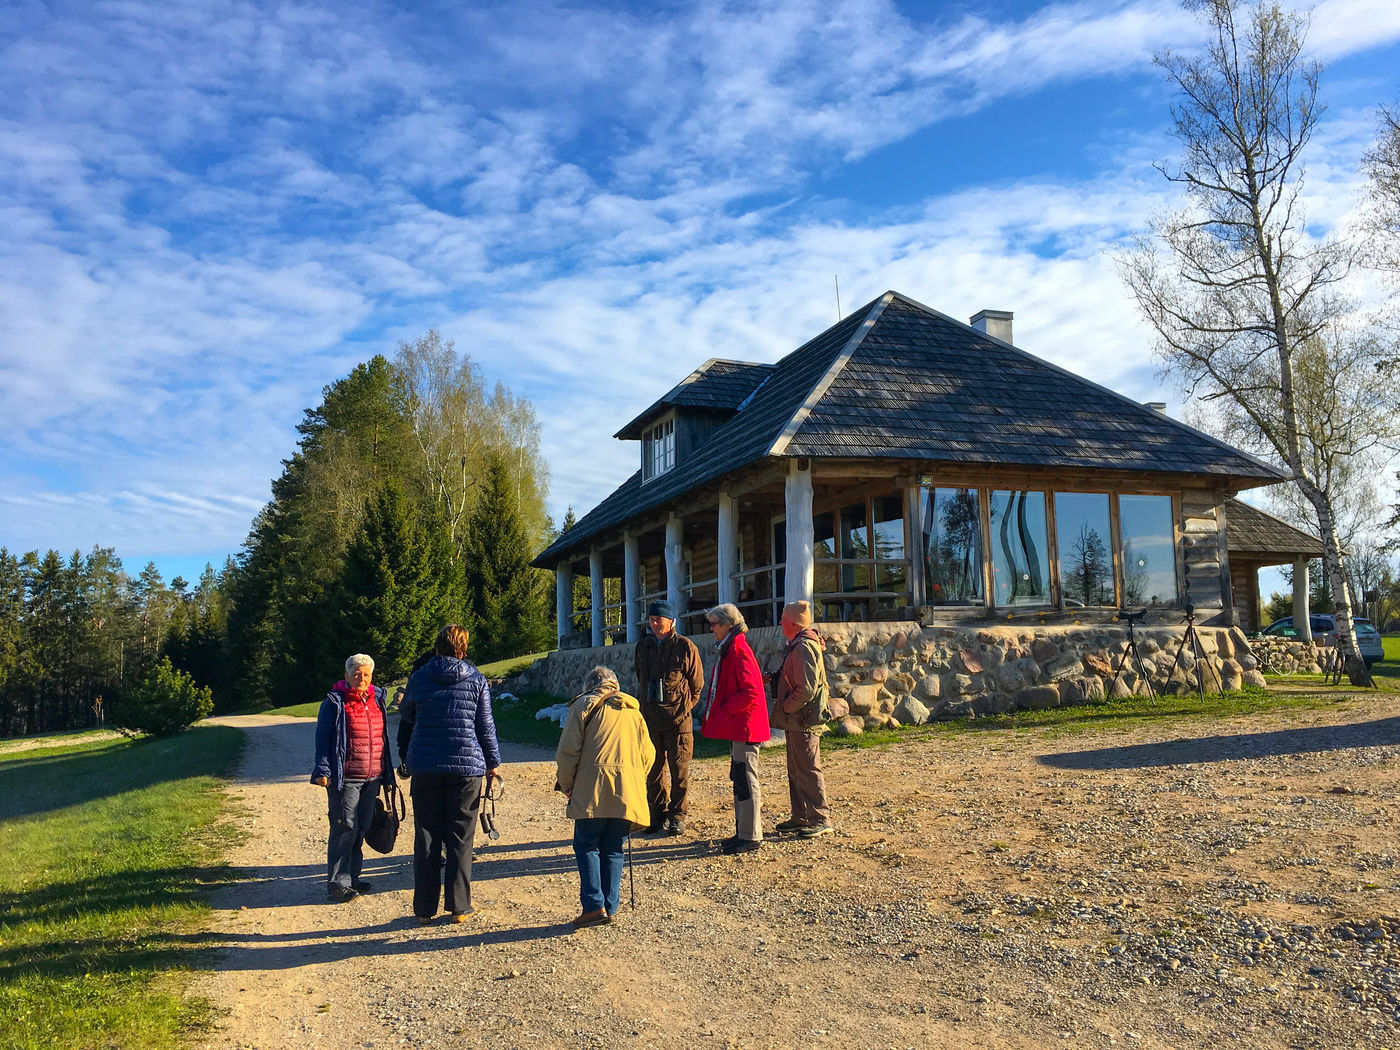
x: 952, y: 531
x: 1085, y: 546
x: 1020, y: 568
x: 1149, y: 550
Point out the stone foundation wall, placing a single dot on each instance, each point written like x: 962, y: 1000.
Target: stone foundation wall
x: 905, y: 673
x: 1288, y: 657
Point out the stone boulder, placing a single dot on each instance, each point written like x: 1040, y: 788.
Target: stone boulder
x: 1099, y: 664
x: 1038, y: 697
x: 1252, y: 677
x: 911, y: 712
x: 864, y: 699
x: 848, y: 726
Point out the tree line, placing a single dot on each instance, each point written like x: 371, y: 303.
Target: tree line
x: 415, y: 497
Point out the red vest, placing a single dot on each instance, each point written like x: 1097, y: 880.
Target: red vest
x: 364, y: 738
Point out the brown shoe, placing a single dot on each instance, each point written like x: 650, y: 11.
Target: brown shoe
x: 592, y: 918
x: 461, y: 916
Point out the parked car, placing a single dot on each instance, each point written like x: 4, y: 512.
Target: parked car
x: 1324, y: 630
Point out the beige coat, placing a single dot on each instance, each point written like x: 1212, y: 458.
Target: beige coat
x: 603, y: 768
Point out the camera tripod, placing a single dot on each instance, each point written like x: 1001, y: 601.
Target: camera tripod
x: 1192, y: 638
x: 1131, y: 649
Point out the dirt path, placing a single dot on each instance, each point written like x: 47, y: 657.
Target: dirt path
x: 1179, y: 887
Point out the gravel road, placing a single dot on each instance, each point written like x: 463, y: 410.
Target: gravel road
x: 1183, y: 886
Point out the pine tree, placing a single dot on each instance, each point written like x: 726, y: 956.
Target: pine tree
x: 400, y: 584
x: 506, y: 595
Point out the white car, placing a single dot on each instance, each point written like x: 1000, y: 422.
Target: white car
x: 1324, y: 630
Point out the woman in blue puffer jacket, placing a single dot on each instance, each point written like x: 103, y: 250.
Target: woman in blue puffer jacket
x: 447, y: 742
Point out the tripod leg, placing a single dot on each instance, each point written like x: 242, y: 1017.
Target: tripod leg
x: 1142, y: 670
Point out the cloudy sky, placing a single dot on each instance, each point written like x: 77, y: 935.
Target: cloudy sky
x: 211, y: 210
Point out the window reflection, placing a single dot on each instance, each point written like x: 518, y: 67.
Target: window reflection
x: 1149, y: 550
x: 1020, y: 572
x: 888, y: 529
x: 1085, y: 548
x: 854, y: 544
x: 952, y: 530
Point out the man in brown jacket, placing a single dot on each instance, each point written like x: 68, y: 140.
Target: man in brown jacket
x: 798, y: 692
x: 669, y: 680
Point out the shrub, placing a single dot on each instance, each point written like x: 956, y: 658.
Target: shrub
x: 165, y: 702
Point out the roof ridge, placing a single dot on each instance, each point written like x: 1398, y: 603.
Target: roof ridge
x: 789, y: 431
x: 1085, y: 379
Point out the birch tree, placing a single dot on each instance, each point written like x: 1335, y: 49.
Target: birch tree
x: 1244, y: 302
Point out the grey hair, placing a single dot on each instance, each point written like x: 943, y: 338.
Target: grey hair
x: 358, y: 660
x: 729, y: 615
x: 599, y: 678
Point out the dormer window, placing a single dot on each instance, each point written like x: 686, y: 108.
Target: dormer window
x: 658, y: 449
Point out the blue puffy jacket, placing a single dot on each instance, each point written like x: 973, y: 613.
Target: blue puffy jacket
x: 445, y: 723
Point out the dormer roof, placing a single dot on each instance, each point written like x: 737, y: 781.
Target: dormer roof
x: 719, y: 385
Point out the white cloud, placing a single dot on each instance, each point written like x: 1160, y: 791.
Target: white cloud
x: 213, y: 211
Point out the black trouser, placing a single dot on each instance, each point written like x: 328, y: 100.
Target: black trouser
x: 445, y: 809
x: 350, y: 809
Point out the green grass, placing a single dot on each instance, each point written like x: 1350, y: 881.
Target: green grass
x: 509, y: 667
x: 110, y: 849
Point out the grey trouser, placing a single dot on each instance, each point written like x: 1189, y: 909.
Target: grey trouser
x: 806, y: 785
x: 350, y: 809
x: 748, y: 798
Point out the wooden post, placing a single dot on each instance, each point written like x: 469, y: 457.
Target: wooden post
x: 631, y: 584
x: 799, y: 577
x: 564, y: 601
x: 728, y: 550
x: 1302, y: 615
x: 675, y: 568
x: 595, y: 580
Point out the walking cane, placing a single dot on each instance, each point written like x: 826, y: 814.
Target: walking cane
x: 631, y: 875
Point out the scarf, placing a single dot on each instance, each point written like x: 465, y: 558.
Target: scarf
x: 721, y: 647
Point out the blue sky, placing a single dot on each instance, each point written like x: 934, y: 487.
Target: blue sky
x: 213, y: 210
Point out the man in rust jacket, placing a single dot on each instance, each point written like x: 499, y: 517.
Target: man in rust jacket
x: 669, y: 680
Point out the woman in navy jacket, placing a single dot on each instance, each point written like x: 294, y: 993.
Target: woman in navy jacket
x: 447, y: 742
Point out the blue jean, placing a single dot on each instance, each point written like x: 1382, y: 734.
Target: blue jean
x: 598, y: 849
x: 350, y: 810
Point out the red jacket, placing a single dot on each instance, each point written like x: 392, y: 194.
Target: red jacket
x: 738, y: 710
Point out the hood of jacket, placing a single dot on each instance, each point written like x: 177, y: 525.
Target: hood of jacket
x: 444, y: 670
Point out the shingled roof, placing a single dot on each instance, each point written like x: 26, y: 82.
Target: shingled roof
x: 1248, y: 530
x: 897, y: 380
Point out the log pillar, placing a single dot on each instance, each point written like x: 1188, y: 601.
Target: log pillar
x: 631, y: 584
x: 728, y: 548
x: 675, y: 567
x: 799, y: 575
x: 1302, y: 615
x: 595, y: 580
x: 564, y: 601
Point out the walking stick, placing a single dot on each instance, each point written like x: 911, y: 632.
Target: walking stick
x: 631, y: 875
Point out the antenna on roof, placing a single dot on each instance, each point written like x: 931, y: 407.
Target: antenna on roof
x: 837, y: 279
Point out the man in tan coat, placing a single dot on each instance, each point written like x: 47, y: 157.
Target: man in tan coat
x: 798, y: 692
x: 603, y: 756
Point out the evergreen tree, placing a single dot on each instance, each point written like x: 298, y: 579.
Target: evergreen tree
x: 506, y: 595
x: 400, y: 584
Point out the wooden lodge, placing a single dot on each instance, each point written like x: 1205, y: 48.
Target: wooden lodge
x: 903, y: 465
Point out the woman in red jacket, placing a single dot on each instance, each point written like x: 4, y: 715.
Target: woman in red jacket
x: 735, y: 710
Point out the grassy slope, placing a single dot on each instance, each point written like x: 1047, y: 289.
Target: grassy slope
x: 109, y: 850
